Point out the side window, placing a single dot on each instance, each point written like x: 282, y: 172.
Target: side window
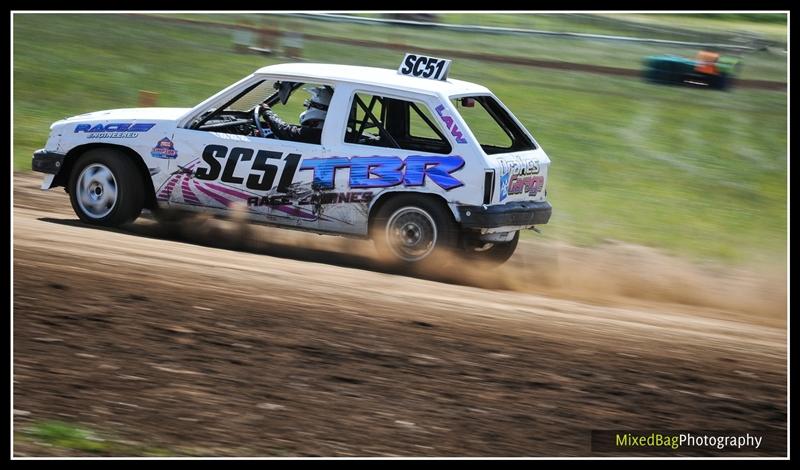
x: 484, y: 126
x: 389, y: 122
x: 365, y: 123
x: 420, y: 122
x: 304, y: 98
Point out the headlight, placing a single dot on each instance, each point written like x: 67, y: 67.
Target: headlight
x: 54, y: 138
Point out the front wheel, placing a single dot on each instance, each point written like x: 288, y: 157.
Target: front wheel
x: 414, y: 231
x: 106, y: 188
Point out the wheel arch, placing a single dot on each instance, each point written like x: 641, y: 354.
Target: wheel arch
x: 62, y: 178
x: 387, y: 196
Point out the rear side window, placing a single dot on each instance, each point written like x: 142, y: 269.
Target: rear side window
x: 381, y: 121
x: 492, y: 125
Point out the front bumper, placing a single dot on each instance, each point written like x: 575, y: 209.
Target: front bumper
x: 47, y: 162
x: 512, y: 214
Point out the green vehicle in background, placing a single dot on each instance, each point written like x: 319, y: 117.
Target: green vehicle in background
x: 707, y: 69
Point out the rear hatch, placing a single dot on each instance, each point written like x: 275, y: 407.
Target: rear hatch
x: 517, y: 176
x: 516, y: 166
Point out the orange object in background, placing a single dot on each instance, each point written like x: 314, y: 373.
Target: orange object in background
x: 147, y: 99
x: 707, y: 62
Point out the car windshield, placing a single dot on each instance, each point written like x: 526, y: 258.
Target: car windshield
x: 253, y: 97
x: 493, y: 126
x: 241, y: 106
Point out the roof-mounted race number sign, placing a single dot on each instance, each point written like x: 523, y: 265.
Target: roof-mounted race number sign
x: 416, y: 65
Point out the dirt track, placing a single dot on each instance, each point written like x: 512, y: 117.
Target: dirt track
x: 264, y: 351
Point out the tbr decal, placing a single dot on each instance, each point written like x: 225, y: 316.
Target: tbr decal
x: 520, y: 176
x: 383, y: 172
x: 116, y: 130
x: 450, y: 124
x: 164, y: 149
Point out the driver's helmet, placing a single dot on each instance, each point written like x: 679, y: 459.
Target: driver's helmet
x: 317, y: 106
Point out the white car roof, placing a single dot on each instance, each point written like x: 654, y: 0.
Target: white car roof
x: 373, y: 76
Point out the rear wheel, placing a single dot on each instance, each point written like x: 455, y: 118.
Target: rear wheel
x: 496, y: 254
x: 106, y: 188
x: 414, y: 231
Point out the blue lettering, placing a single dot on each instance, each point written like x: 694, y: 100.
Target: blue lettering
x: 383, y: 172
x: 117, y: 127
x: 438, y: 169
x: 387, y: 169
x: 324, y: 170
x: 141, y: 127
x: 451, y: 125
x: 458, y: 135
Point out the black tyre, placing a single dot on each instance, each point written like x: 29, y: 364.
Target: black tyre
x: 106, y: 188
x: 496, y: 254
x: 414, y: 231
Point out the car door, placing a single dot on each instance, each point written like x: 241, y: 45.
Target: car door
x: 380, y: 159
x: 219, y: 172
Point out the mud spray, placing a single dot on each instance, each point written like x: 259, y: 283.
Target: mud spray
x: 608, y: 273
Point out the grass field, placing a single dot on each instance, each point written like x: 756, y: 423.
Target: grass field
x: 57, y: 438
x: 695, y: 172
x: 761, y: 65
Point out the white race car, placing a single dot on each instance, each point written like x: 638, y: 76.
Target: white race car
x: 420, y: 163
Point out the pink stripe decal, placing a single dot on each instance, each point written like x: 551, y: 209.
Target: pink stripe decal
x: 212, y: 195
x: 188, y: 195
x: 171, y: 181
x: 227, y: 190
x: 291, y: 210
x: 168, y: 187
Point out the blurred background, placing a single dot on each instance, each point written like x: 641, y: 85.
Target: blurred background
x: 691, y: 170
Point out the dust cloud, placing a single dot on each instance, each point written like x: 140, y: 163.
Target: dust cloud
x: 607, y: 273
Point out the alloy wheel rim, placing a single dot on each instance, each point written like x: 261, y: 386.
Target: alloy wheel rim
x: 97, y: 191
x: 411, y: 233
